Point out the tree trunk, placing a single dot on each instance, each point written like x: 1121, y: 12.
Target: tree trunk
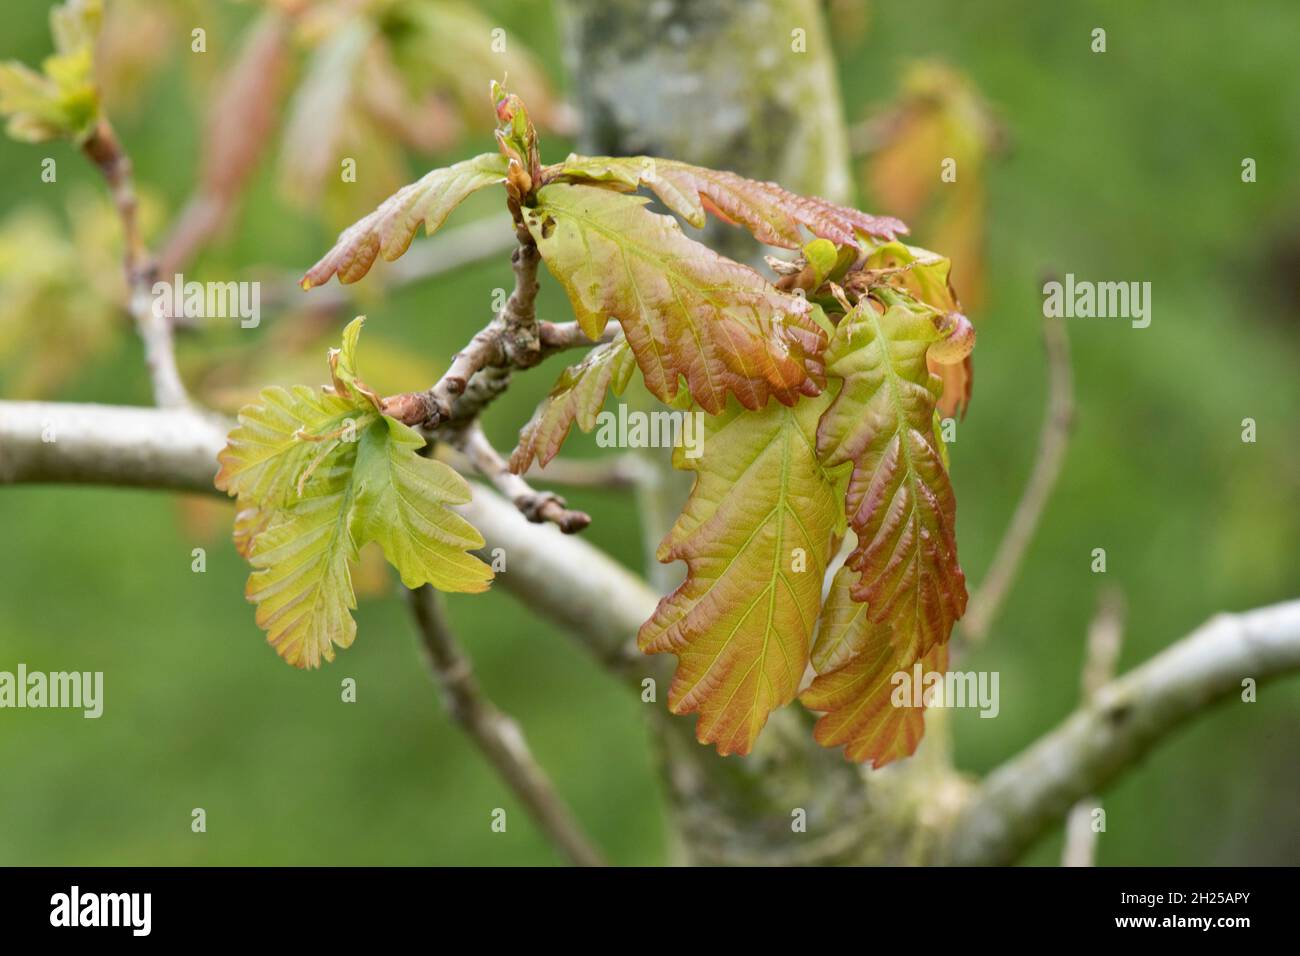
x: 747, y: 86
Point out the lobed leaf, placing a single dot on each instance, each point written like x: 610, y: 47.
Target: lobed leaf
x: 926, y: 276
x: 402, y: 501
x: 856, y: 661
x: 319, y: 474
x: 771, y: 213
x: 756, y: 536
x: 686, y: 311
x: 899, y: 502
x: 390, y: 228
x: 266, y: 453
x: 300, y: 582
x: 576, y: 397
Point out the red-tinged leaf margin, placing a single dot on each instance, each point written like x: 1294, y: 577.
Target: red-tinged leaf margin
x: 857, y: 701
x: 388, y: 230
x: 577, y: 396
x: 687, y: 311
x: 770, y: 212
x: 900, y: 502
x: 741, y: 624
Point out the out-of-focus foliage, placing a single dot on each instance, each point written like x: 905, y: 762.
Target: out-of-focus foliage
x: 60, y: 280
x: 61, y: 101
x: 382, y: 74
x: 938, y: 118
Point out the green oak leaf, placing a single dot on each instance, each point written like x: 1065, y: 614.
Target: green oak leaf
x: 318, y: 475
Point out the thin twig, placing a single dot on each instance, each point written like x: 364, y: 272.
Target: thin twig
x: 608, y: 471
x: 1105, y: 634
x: 481, y: 371
x: 536, y: 506
x: 113, y: 163
x: 1053, y: 439
x: 449, y: 410
x: 495, y: 733
x: 562, y: 336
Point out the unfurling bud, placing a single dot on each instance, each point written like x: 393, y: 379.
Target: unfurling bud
x: 958, y: 338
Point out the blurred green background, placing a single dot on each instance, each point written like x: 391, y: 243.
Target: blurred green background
x: 1123, y: 166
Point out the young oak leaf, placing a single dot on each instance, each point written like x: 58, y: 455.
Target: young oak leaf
x: 300, y: 582
x: 772, y: 214
x: 576, y: 397
x: 279, y: 437
x: 925, y: 275
x: 756, y: 536
x: 390, y: 228
x: 854, y: 691
x: 319, y: 474
x: 402, y: 502
x: 899, y: 501
x: 686, y: 311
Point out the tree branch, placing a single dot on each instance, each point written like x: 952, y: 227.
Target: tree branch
x: 480, y: 371
x: 449, y: 410
x: 625, y: 470
x: 536, y: 506
x: 562, y: 578
x: 1105, y: 634
x: 106, y: 152
x: 495, y: 733
x: 1030, y: 792
x: 1053, y: 440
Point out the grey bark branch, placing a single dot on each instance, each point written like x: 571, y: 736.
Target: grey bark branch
x: 536, y: 506
x: 105, y: 150
x: 608, y: 471
x: 495, y: 733
x: 602, y: 604
x: 1128, y: 716
x: 562, y: 578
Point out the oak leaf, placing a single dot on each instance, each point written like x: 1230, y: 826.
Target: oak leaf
x: 388, y: 230
x: 576, y: 397
x: 319, y: 474
x: 857, y: 661
x: 756, y: 536
x: 771, y: 213
x: 686, y: 311
x: 900, y: 502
